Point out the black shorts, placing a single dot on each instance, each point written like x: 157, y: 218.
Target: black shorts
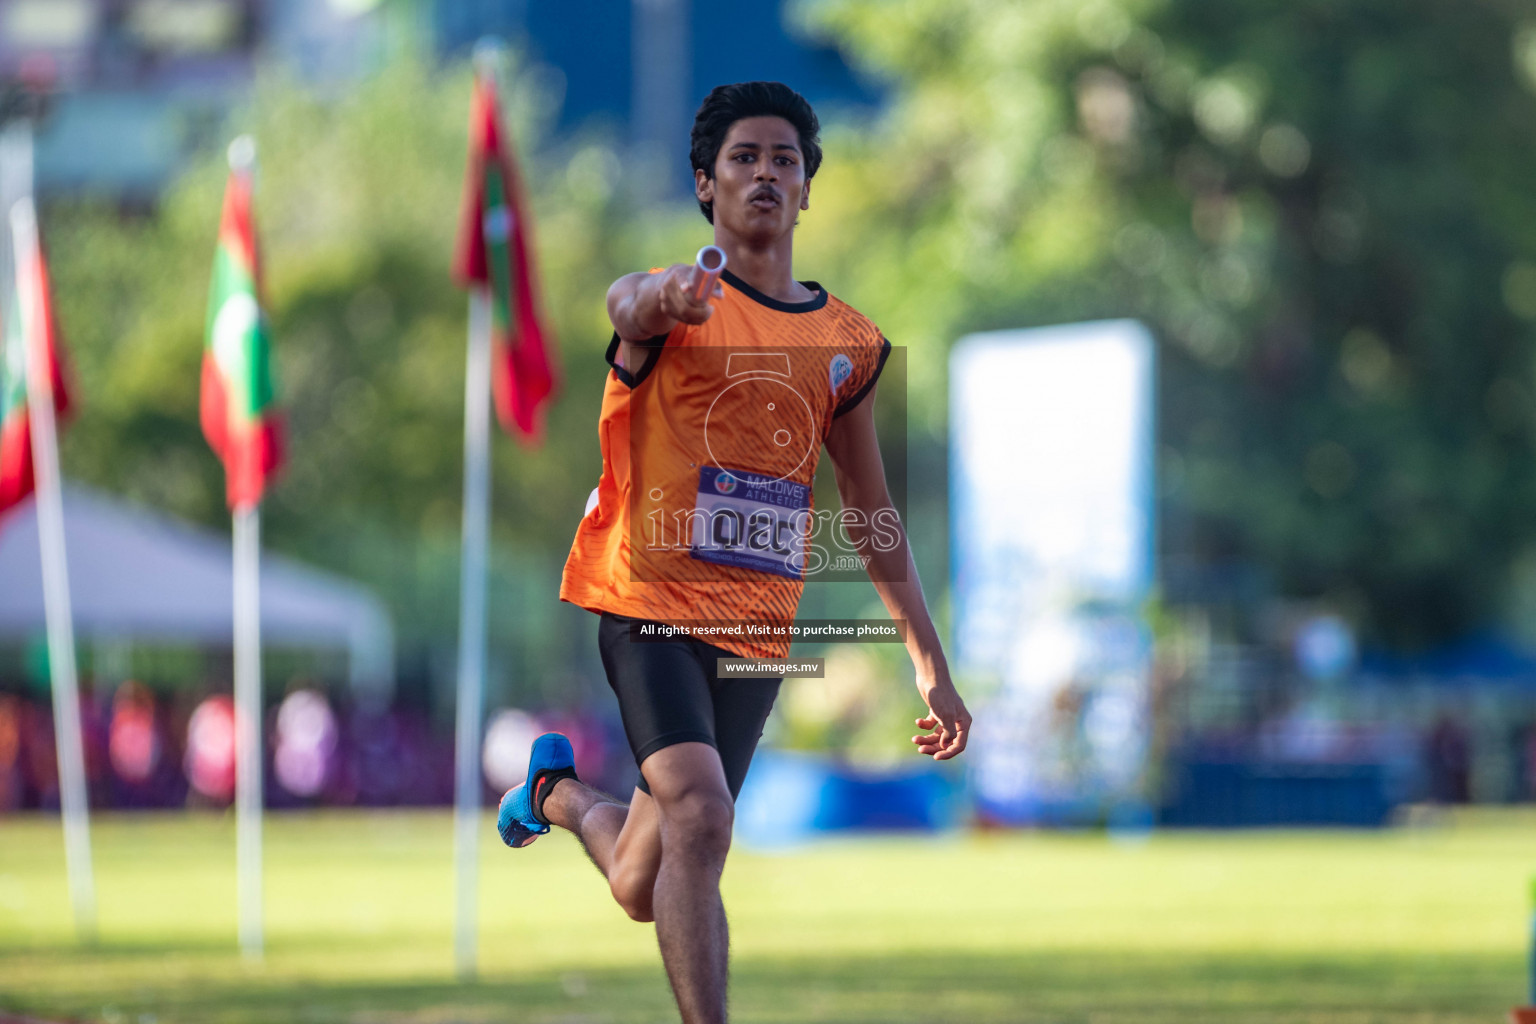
x: 670, y: 692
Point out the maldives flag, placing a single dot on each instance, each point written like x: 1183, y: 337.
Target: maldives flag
x: 495, y: 250
x: 238, y: 412
x: 22, y: 344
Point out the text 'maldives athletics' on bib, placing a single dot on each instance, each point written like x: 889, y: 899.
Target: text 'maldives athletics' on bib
x: 750, y: 520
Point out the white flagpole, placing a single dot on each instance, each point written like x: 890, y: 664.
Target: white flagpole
x: 248, y: 787
x: 50, y: 532
x: 472, y: 583
x: 472, y: 571
x: 248, y: 759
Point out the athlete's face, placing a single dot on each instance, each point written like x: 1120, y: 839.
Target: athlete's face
x: 759, y: 186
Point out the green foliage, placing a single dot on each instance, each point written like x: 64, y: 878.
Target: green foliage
x: 1324, y: 211
x: 357, y: 205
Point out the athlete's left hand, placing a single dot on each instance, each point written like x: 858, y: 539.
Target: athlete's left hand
x: 948, y: 722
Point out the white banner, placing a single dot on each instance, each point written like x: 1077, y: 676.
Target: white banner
x: 1051, y: 466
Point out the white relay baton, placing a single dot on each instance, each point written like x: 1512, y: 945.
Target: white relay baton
x: 707, y: 266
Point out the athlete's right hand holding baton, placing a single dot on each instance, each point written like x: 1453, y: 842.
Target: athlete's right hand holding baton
x: 644, y: 306
x: 684, y: 291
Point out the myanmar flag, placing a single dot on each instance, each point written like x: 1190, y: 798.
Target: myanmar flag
x: 21, y: 345
x: 495, y: 250
x: 238, y: 412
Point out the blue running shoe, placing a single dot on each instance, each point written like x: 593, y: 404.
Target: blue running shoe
x: 520, y: 818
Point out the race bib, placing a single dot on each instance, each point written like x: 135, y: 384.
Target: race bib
x: 750, y: 521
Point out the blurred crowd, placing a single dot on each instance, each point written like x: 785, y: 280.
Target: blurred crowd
x: 148, y: 749
x: 1450, y: 752
x: 151, y: 749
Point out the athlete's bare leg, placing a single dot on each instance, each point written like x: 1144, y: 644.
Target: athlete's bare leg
x: 623, y: 841
x: 696, y: 811
x: 670, y: 846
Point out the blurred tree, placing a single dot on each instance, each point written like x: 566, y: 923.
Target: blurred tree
x: 357, y: 203
x: 1323, y: 210
x: 1319, y: 206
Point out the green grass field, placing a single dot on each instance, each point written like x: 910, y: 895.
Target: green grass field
x: 1347, y: 928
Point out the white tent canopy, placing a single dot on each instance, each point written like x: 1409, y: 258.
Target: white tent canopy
x: 138, y: 575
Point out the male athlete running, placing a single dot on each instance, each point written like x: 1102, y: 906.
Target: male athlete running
x: 711, y: 426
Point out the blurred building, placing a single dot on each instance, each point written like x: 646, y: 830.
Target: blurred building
x: 647, y: 64
x: 134, y: 87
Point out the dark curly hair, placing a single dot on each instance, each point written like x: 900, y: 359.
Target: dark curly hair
x: 727, y: 104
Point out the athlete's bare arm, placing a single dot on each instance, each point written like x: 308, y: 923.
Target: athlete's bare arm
x: 643, y: 306
x: 855, y: 450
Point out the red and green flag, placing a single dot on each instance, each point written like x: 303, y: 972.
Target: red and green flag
x: 239, y: 414
x: 495, y: 251
x: 26, y: 345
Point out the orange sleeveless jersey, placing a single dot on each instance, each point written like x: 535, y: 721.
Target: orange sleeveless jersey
x: 703, y: 511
